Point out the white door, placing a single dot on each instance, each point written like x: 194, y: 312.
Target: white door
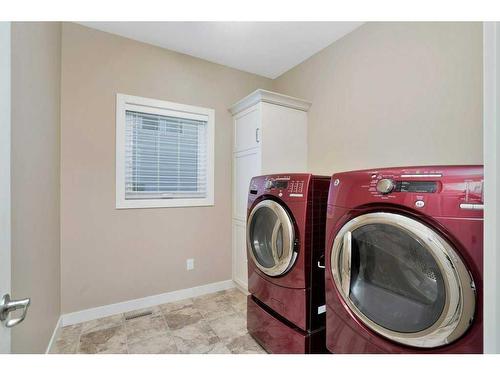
x: 246, y: 165
x: 491, y: 94
x: 240, y: 270
x: 4, y: 174
x: 247, y: 132
x: 7, y: 306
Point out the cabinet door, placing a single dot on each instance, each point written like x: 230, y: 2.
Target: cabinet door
x: 240, y: 270
x: 247, y: 131
x: 284, y: 145
x: 246, y: 165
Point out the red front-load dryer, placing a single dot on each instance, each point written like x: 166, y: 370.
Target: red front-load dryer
x: 404, y: 260
x: 285, y: 246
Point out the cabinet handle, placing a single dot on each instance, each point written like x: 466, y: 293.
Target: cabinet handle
x: 257, y: 138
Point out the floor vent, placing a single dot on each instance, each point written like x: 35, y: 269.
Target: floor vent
x: 137, y: 315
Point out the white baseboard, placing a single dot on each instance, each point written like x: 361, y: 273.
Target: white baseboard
x: 242, y: 287
x: 54, y: 335
x: 141, y: 303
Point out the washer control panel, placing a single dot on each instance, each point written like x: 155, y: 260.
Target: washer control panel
x: 283, y: 186
x: 276, y: 184
x: 296, y: 187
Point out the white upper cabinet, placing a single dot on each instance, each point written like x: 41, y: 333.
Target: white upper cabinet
x: 275, y: 123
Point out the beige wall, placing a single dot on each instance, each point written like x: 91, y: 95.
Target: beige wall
x: 393, y: 94
x: 111, y: 255
x: 386, y: 94
x: 36, y: 54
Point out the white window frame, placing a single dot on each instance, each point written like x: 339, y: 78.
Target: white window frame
x: 160, y: 107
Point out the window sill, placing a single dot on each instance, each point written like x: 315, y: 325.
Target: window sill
x: 163, y: 203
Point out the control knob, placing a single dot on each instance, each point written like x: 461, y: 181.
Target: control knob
x: 269, y: 184
x: 385, y: 186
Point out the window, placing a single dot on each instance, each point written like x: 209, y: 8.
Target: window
x: 164, y: 154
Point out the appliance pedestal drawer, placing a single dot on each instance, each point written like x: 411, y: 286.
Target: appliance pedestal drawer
x: 278, y: 336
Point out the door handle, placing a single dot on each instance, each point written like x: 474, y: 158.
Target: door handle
x: 7, y: 306
x: 346, y: 264
x: 274, y: 237
x: 257, y: 138
x: 321, y: 258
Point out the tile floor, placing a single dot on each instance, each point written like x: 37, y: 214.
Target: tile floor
x: 213, y: 323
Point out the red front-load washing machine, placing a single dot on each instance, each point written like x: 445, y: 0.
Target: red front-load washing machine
x: 285, y: 245
x: 404, y: 260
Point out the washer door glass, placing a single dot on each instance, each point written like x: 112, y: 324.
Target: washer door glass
x: 270, y: 238
x: 403, y: 280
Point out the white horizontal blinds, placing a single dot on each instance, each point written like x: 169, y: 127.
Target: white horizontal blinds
x: 165, y: 157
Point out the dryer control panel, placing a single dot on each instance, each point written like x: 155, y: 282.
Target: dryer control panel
x: 381, y: 185
x: 387, y: 185
x: 446, y: 191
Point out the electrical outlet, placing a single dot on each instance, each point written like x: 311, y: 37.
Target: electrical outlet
x: 190, y: 264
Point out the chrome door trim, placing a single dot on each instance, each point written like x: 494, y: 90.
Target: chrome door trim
x: 459, y: 308
x: 345, y: 268
x: 287, y: 260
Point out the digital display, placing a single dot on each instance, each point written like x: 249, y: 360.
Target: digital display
x: 416, y: 186
x: 280, y: 184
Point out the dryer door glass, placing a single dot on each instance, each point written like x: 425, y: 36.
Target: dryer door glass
x: 270, y: 238
x: 395, y: 281
x: 403, y: 279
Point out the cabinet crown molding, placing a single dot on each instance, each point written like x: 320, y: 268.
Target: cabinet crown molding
x: 271, y: 97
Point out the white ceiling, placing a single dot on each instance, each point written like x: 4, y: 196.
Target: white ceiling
x: 265, y: 48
